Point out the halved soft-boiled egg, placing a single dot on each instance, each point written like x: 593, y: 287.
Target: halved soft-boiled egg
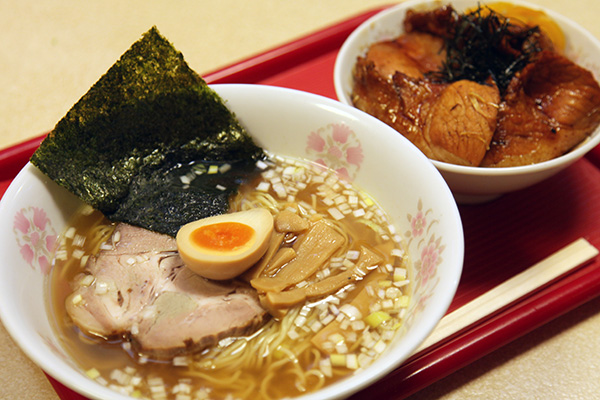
x: 224, y: 246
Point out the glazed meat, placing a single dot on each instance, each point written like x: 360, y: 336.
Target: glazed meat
x: 436, y: 22
x: 401, y: 105
x: 461, y: 123
x: 503, y: 97
x: 139, y: 289
x: 412, y: 54
x: 550, y: 107
x: 447, y: 122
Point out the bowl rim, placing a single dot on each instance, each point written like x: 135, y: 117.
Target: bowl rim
x: 77, y: 380
x: 572, y: 155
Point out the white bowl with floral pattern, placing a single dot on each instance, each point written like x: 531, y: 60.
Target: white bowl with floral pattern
x: 473, y: 184
x: 34, y: 211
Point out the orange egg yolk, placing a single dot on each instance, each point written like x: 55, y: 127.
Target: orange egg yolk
x: 224, y: 236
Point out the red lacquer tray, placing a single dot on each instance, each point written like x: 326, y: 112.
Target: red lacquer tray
x: 502, y: 238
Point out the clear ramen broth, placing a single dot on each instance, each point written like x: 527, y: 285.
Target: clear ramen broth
x: 311, y: 346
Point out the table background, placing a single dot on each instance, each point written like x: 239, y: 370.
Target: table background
x: 51, y: 52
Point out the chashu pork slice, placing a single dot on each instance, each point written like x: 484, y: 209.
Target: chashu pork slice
x: 551, y: 106
x: 140, y: 289
x: 449, y: 122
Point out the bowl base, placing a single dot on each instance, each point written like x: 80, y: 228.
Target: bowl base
x: 475, y: 198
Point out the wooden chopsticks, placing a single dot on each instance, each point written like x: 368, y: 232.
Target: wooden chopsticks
x: 526, y: 282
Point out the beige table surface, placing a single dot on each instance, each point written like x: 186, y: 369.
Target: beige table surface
x: 51, y: 52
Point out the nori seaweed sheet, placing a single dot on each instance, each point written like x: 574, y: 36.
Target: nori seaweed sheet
x: 122, y: 147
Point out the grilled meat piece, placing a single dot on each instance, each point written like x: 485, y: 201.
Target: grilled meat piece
x: 461, y: 122
x: 401, y: 105
x: 412, y: 54
x: 551, y: 106
x: 447, y: 122
x: 441, y: 91
x: 438, y: 22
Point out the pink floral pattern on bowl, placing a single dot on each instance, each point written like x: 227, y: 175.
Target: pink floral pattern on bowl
x: 336, y: 147
x: 35, y: 237
x: 426, y: 249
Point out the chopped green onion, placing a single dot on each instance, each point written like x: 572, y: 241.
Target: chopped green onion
x: 338, y: 360
x: 92, y: 373
x: 377, y: 318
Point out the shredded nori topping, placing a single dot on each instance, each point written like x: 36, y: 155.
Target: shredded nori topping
x: 486, y: 45
x: 122, y: 146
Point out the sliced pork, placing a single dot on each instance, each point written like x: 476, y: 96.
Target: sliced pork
x: 450, y: 122
x: 477, y: 101
x: 139, y: 289
x: 550, y: 106
x: 412, y: 54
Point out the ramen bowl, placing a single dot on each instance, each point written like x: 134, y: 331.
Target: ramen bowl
x: 35, y: 211
x: 473, y: 184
